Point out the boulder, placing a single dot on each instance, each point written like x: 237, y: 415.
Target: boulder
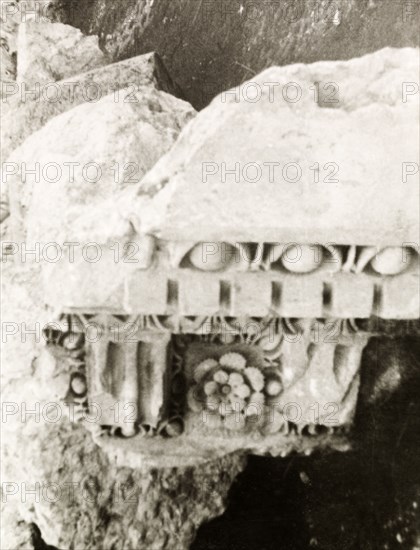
x: 48, y: 52
x: 121, y: 142
x: 85, y: 155
x: 35, y: 53
x: 12, y: 14
x: 28, y: 114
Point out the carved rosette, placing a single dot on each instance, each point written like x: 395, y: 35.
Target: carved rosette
x: 233, y: 392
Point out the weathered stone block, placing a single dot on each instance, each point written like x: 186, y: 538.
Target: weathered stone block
x: 27, y: 114
x: 52, y: 51
x: 72, y: 176
x: 351, y: 144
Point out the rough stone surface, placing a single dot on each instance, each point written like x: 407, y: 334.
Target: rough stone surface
x: 12, y: 14
x: 368, y: 137
x: 27, y: 116
x: 113, y: 506
x: 53, y: 51
x: 8, y: 36
x: 114, y: 146
x: 211, y: 46
x: 27, y: 28
x: 15, y: 534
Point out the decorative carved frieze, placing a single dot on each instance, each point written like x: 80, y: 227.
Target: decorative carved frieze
x: 236, y: 382
x: 286, y: 280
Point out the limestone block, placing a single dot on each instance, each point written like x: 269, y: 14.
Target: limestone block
x: 29, y: 113
x: 46, y: 54
x: 115, y: 144
x: 367, y: 138
x: 53, y: 51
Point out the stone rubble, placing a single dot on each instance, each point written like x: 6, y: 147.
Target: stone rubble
x: 116, y: 143
x: 48, y: 52
x: 30, y: 113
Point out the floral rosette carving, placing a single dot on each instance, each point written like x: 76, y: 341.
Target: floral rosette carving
x: 234, y: 393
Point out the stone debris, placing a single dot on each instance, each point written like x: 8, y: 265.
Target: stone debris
x: 27, y: 114
x: 27, y: 29
x: 121, y: 142
x: 49, y: 52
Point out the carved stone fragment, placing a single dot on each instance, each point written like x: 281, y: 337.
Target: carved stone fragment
x: 239, y: 324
